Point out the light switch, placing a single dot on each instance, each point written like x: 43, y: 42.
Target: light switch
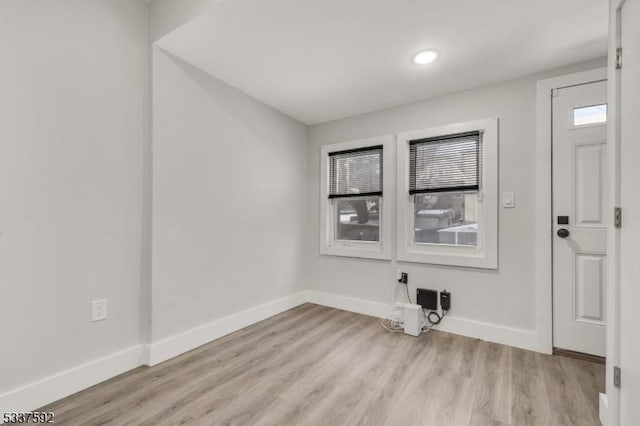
x: 508, y: 200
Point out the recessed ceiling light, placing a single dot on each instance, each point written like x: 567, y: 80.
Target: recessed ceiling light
x: 425, y: 56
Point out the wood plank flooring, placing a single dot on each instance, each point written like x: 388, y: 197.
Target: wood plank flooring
x: 315, y: 365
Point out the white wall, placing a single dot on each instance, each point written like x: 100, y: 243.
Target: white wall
x: 229, y: 201
x: 167, y: 15
x: 235, y: 209
x: 73, y: 120
x: 505, y: 297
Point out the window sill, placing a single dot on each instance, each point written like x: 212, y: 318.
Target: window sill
x: 470, y: 259
x: 360, y: 251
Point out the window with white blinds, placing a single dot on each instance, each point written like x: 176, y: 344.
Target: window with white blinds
x: 447, y: 194
x: 445, y: 163
x: 354, y: 220
x: 355, y: 172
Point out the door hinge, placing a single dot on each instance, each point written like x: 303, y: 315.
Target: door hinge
x: 617, y: 217
x: 619, y: 58
x: 616, y: 376
x: 554, y: 93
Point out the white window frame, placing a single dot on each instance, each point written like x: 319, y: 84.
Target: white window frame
x: 485, y: 253
x: 573, y: 126
x: 363, y: 249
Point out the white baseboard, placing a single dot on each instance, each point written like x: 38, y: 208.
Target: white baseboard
x: 65, y: 383
x: 519, y: 338
x: 604, y: 409
x: 352, y: 304
x: 175, y: 345
x: 516, y: 337
x: 191, y: 339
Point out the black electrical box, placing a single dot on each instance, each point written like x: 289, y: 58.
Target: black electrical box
x: 428, y: 299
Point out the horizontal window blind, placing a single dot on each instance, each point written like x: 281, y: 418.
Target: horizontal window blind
x: 445, y: 163
x: 355, y: 172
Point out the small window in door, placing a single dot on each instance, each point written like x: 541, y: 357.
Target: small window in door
x: 589, y: 115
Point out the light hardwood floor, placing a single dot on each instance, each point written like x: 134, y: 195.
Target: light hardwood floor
x: 315, y: 365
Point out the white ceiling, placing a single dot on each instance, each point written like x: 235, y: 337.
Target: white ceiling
x: 321, y: 60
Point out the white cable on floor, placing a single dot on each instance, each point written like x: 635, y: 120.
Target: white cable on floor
x: 395, y: 326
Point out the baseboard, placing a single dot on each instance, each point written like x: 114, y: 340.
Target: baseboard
x: 603, y: 409
x: 351, y: 304
x: 516, y: 337
x: 519, y: 338
x: 65, y: 383
x: 175, y: 345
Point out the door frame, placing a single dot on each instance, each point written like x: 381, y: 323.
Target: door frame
x: 610, y: 401
x: 543, y: 224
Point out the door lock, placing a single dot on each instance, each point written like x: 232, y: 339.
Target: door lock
x: 563, y: 233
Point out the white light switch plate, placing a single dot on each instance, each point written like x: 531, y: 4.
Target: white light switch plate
x: 508, y: 200
x: 98, y: 310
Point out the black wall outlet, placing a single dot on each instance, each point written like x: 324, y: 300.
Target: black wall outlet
x: 404, y: 278
x: 445, y: 300
x: 428, y: 299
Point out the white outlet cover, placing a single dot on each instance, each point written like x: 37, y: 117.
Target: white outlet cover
x: 98, y: 310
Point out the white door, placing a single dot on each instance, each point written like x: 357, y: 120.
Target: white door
x: 579, y: 217
x: 630, y: 202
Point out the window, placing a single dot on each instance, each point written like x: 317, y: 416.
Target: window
x: 355, y: 183
x: 446, y: 218
x: 447, y: 195
x: 358, y: 219
x: 444, y: 178
x: 589, y: 115
x: 355, y: 218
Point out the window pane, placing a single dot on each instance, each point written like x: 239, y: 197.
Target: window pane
x: 445, y: 164
x: 358, y: 219
x: 446, y: 218
x: 594, y: 114
x: 355, y: 172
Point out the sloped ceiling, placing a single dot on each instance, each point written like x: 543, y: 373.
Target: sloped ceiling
x: 321, y: 60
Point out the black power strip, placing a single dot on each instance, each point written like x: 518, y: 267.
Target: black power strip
x: 445, y: 300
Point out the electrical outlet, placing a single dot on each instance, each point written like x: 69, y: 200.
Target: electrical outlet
x: 98, y: 310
